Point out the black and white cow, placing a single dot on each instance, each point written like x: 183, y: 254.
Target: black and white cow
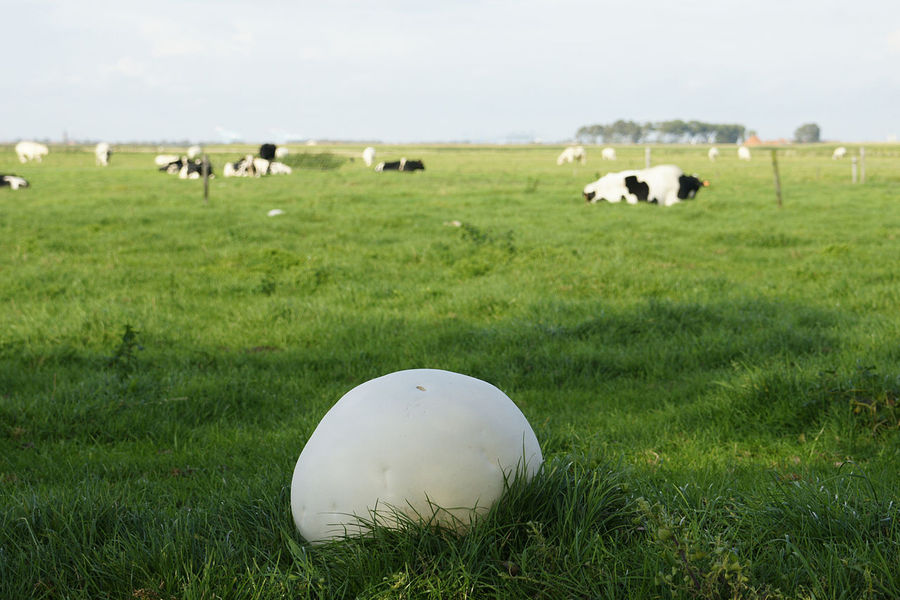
x: 193, y: 169
x: 13, y: 182
x: 173, y: 166
x: 186, y: 168
x: 400, y: 165
x: 267, y: 151
x: 255, y: 167
x: 102, y: 153
x: 663, y: 184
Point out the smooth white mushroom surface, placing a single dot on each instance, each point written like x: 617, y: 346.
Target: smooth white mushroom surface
x: 409, y: 442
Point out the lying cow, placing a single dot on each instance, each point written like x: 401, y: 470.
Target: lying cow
x: 241, y: 168
x: 186, y: 168
x: 173, y: 166
x: 400, y: 165
x: 839, y: 152
x: 255, y: 167
x: 31, y: 151
x: 279, y: 168
x: 162, y: 160
x: 571, y: 154
x: 267, y: 151
x: 193, y: 169
x: 608, y: 154
x: 662, y: 184
x: 744, y: 153
x: 13, y: 182
x: 102, y: 154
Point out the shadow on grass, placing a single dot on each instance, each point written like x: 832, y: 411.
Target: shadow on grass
x: 674, y: 351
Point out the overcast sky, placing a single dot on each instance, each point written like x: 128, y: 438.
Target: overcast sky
x: 403, y: 71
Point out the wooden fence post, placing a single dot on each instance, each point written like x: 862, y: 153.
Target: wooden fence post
x: 777, y: 176
x: 204, y: 170
x: 862, y: 164
x: 647, y: 157
x: 853, y: 170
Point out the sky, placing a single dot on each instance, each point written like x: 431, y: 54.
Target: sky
x: 452, y: 70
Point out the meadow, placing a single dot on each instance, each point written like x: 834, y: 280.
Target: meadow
x: 714, y: 385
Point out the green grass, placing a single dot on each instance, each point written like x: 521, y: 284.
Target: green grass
x: 714, y: 385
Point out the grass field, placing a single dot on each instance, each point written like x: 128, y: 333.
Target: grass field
x: 714, y: 385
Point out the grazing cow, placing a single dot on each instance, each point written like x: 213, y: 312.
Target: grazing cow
x: 162, y: 160
x: 608, y: 154
x: 31, y: 151
x: 839, y: 152
x: 400, y: 165
x: 102, y: 154
x: 368, y: 156
x: 571, y: 154
x: 662, y: 184
x: 713, y: 153
x: 13, y: 182
x: 194, y: 151
x: 744, y: 153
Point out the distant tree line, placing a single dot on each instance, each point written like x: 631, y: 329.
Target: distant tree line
x: 675, y: 131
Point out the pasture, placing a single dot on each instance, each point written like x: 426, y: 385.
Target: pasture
x: 714, y: 385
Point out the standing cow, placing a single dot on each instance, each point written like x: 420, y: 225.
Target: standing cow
x: 571, y: 154
x: 744, y: 153
x: 608, y: 154
x: 31, y: 151
x: 713, y: 153
x: 102, y: 154
x: 368, y: 156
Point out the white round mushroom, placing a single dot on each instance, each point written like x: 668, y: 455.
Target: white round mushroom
x: 423, y: 443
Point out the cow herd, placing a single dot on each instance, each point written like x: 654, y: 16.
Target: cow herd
x: 191, y: 167
x: 664, y: 185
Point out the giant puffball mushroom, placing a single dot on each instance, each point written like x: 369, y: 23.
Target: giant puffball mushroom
x: 424, y: 443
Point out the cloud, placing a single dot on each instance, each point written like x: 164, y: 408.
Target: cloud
x: 893, y: 41
x: 126, y: 66
x: 177, y: 38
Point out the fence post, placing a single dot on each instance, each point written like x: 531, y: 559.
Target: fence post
x: 777, y: 176
x: 204, y: 170
x: 647, y: 157
x: 853, y: 170
x: 862, y: 165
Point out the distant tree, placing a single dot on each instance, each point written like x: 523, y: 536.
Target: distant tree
x: 807, y: 133
x: 584, y: 135
x: 728, y: 134
x: 590, y: 133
